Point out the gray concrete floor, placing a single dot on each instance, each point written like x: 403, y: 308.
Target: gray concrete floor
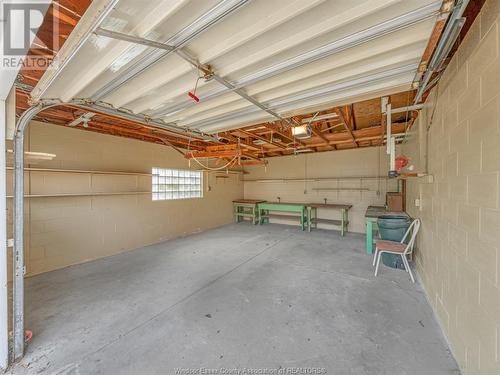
x: 239, y: 296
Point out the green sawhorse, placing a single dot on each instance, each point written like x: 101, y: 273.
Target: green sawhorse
x: 246, y: 208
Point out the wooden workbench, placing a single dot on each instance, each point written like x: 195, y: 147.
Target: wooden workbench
x: 243, y: 208
x: 313, y: 219
x: 300, y: 208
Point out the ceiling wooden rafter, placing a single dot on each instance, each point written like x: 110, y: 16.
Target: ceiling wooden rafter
x: 358, y: 124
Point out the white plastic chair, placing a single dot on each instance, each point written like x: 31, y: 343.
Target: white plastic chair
x: 398, y: 248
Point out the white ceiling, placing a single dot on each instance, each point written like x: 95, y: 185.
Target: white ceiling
x: 294, y: 56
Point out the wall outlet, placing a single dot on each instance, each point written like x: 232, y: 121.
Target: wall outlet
x: 417, y: 202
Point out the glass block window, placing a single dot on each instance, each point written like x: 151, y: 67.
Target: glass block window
x: 176, y: 184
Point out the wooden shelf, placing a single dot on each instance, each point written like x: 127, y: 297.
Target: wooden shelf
x: 328, y: 221
x: 340, y: 189
x: 124, y: 173
x: 278, y: 216
x: 315, y: 179
x: 83, y: 194
x: 244, y: 214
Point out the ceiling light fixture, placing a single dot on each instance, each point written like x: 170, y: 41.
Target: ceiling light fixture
x: 301, y: 131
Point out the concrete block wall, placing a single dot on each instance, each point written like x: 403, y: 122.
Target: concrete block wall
x: 61, y: 231
x: 342, y: 164
x: 458, y: 256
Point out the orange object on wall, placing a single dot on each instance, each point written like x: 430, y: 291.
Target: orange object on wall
x: 401, y: 162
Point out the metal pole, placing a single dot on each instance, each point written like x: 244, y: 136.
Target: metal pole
x: 4, y: 312
x: 445, y: 43
x: 388, y: 126
x: 19, y: 269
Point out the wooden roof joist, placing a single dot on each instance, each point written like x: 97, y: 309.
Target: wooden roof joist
x: 231, y: 152
x: 338, y: 98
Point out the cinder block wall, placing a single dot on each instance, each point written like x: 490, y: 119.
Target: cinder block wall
x: 342, y: 164
x: 62, y: 231
x: 458, y: 255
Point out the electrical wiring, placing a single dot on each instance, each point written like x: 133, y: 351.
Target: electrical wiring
x: 215, y: 169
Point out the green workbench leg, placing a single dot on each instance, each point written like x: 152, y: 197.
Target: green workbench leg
x: 342, y: 227
x: 369, y: 237
x: 309, y: 219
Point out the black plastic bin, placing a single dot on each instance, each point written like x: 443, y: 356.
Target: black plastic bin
x: 393, y: 228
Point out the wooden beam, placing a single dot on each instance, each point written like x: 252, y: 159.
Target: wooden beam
x: 273, y: 127
x: 253, y: 162
x: 236, y: 140
x: 431, y: 45
x: 353, y: 118
x: 342, y: 117
x: 264, y: 139
x: 317, y: 133
x: 222, y: 147
x: 212, y: 154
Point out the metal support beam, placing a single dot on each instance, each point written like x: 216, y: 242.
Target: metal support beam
x: 139, y: 118
x: 295, y: 99
x: 4, y: 312
x: 132, y: 39
x: 19, y: 268
x: 186, y: 56
x: 337, y: 46
x: 384, y: 101
x: 224, y: 82
x: 182, y: 132
x: 247, y: 97
x: 388, y: 114
x: 409, y: 108
x: 450, y: 34
x: 111, y: 111
x: 202, y: 23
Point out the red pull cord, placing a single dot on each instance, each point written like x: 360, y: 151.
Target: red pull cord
x: 192, y: 94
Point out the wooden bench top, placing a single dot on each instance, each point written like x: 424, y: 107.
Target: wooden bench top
x: 248, y: 201
x: 377, y: 211
x: 313, y: 205
x: 286, y: 203
x: 330, y: 205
